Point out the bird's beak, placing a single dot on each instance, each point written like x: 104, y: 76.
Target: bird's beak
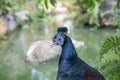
x: 52, y: 45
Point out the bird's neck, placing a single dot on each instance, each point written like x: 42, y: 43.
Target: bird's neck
x: 68, y: 51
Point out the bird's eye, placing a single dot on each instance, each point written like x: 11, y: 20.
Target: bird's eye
x: 59, y: 39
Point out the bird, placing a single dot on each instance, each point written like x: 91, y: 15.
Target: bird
x: 71, y: 66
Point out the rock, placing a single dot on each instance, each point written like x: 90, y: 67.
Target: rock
x: 107, y: 20
x: 8, y: 23
x: 22, y: 15
x: 78, y: 44
x: 12, y: 22
x: 61, y: 14
x: 60, y: 8
x: 41, y: 51
x: 108, y: 5
x: 3, y: 28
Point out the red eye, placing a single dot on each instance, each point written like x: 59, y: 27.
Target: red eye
x: 59, y: 39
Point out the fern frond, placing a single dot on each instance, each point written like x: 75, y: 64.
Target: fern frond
x: 110, y: 58
x: 110, y: 43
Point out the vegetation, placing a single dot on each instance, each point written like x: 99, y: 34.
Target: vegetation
x: 110, y: 58
x: 45, y: 4
x: 87, y: 11
x: 91, y: 8
x: 11, y: 5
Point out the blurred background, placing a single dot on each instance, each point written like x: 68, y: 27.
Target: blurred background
x: 27, y: 28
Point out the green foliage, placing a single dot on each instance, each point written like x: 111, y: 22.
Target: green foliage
x: 118, y: 3
x: 53, y: 2
x: 117, y: 21
x: 6, y: 5
x: 89, y: 8
x: 110, y: 58
x: 92, y: 9
x: 88, y: 4
x: 45, y: 4
x: 94, y: 12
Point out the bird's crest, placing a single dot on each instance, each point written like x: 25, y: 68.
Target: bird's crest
x: 62, y: 30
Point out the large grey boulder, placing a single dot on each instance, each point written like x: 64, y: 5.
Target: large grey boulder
x: 41, y: 51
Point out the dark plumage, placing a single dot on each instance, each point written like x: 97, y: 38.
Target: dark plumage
x: 71, y: 67
x: 62, y: 30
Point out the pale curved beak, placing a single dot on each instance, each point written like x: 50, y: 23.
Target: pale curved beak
x: 52, y: 45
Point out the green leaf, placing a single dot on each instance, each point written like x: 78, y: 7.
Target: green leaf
x: 39, y: 2
x: 94, y: 11
x: 46, y: 4
x: 93, y: 5
x: 118, y: 3
x: 99, y: 0
x: 42, y: 12
x: 53, y: 2
x: 87, y: 1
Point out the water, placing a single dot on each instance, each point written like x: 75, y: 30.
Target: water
x: 13, y: 50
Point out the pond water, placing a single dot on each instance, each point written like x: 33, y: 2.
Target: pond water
x: 14, y: 49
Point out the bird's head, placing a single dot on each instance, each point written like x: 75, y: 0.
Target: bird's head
x: 60, y: 37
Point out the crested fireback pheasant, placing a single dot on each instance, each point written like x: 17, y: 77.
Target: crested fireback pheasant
x: 70, y: 66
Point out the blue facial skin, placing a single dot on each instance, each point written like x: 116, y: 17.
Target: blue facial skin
x: 59, y: 39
